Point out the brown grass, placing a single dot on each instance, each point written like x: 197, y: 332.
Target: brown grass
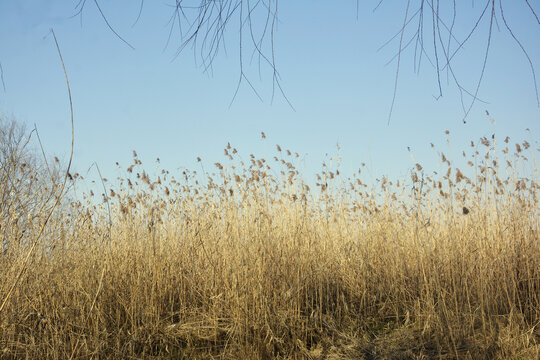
x: 250, y: 263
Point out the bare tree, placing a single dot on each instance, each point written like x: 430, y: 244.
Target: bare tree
x: 27, y: 183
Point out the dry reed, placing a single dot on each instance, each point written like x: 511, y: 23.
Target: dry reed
x: 251, y: 263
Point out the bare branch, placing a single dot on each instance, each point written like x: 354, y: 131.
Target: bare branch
x: 484, y: 63
x: 202, y: 25
x: 533, y: 12
x: 522, y: 49
x: 139, y: 14
x: 110, y: 27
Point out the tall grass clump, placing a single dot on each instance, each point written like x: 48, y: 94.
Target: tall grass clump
x: 248, y: 260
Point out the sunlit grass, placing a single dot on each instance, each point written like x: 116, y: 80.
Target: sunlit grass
x: 245, y: 260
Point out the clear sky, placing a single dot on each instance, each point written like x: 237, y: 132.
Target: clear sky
x: 164, y: 106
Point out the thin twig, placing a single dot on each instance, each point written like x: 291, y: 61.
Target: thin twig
x: 44, y: 156
x: 110, y: 27
x: 522, y: 49
x: 2, y: 77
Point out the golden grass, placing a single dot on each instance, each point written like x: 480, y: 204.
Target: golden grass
x: 250, y: 263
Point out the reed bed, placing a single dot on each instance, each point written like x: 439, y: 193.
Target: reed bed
x: 247, y: 260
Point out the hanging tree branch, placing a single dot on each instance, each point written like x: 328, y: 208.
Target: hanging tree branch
x: 202, y: 25
x: 446, y: 46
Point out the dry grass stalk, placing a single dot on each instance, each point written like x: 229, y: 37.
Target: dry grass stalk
x: 252, y: 263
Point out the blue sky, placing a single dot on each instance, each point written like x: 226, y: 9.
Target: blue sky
x: 332, y: 72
